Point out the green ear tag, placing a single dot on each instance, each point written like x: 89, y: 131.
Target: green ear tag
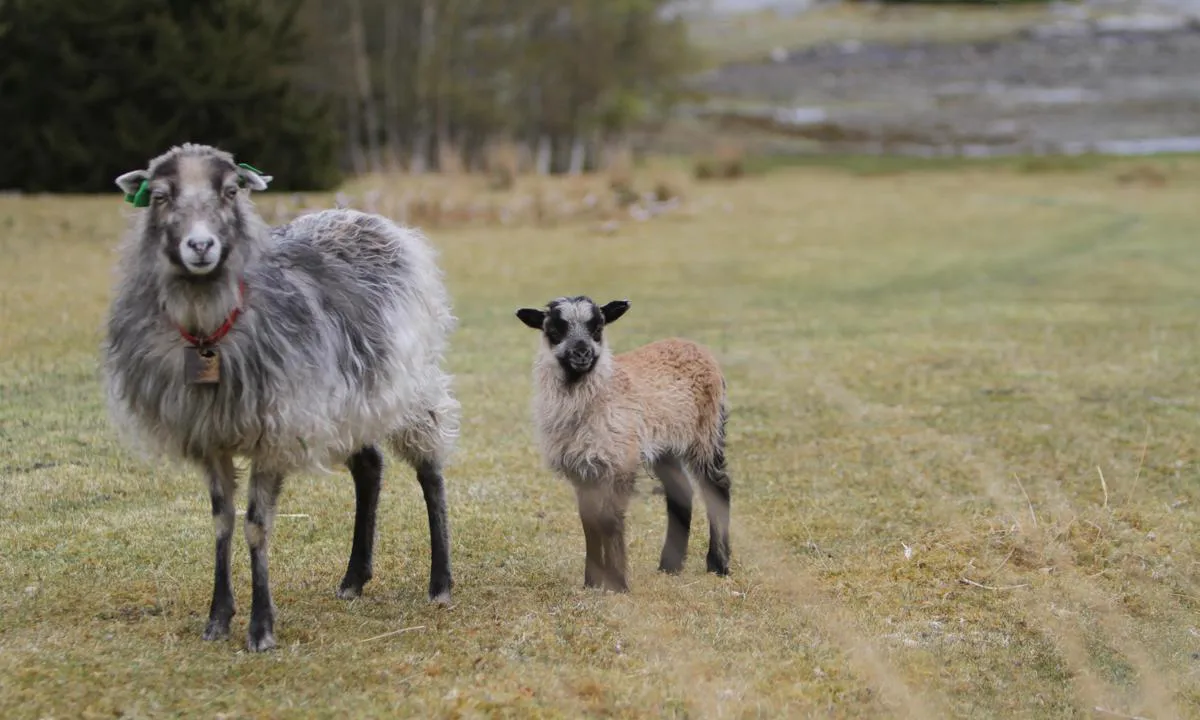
x: 251, y: 168
x: 142, y: 197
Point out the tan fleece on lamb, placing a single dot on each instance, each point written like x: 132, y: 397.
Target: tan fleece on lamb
x: 664, y: 397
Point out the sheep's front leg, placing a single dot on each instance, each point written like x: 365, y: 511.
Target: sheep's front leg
x: 612, y: 528
x: 366, y: 467
x: 221, y: 488
x: 589, y: 516
x: 260, y: 518
x: 602, y: 510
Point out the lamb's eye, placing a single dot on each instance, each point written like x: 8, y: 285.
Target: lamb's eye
x: 159, y: 196
x: 231, y: 191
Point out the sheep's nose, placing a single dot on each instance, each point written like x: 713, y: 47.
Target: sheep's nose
x: 200, y: 245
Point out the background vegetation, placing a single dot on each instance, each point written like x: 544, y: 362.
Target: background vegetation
x: 311, y: 89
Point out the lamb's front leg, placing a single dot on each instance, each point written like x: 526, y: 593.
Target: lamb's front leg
x: 221, y: 487
x: 612, y: 528
x: 260, y: 518
x: 589, y: 515
x: 602, y: 508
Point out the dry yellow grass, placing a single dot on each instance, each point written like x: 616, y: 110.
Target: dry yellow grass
x: 962, y: 442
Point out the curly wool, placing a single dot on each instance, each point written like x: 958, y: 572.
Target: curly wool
x: 339, y: 345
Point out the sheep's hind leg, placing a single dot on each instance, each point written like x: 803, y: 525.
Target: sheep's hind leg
x: 260, y: 518
x: 433, y: 487
x: 717, y: 486
x: 678, y: 489
x: 716, y: 499
x: 366, y: 467
x: 221, y: 487
x: 424, y: 445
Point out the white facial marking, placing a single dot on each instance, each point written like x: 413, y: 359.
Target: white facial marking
x: 576, y: 346
x: 200, y: 249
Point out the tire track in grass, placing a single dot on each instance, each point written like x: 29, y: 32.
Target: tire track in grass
x: 686, y: 660
x: 1070, y: 642
x: 1087, y: 689
x: 832, y: 618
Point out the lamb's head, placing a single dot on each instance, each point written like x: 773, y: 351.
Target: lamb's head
x: 573, y: 331
x: 197, y: 219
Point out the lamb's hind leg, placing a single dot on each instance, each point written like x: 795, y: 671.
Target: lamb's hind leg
x: 716, y: 486
x: 221, y: 488
x: 678, y: 489
x: 260, y: 518
x: 366, y: 467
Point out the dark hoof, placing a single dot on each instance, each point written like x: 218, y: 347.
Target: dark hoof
x: 349, y: 592
x: 439, y: 591
x: 670, y: 565
x: 718, y: 565
x: 217, y: 629
x: 260, y: 640
x: 351, y: 587
x: 616, y: 585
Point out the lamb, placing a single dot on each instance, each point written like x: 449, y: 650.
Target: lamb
x: 600, y: 417
x: 300, y: 347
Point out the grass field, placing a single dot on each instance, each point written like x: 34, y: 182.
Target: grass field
x: 963, y: 443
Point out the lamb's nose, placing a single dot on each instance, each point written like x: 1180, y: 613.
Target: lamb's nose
x: 200, y: 245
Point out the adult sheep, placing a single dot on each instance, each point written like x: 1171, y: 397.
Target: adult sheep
x: 299, y: 347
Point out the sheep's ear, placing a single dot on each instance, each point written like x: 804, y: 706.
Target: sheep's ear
x: 614, y: 310
x: 251, y: 177
x: 532, y: 317
x: 132, y: 180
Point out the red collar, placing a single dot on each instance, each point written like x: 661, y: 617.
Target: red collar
x: 225, y: 326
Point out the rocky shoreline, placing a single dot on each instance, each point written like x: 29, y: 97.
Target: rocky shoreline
x: 1072, y: 85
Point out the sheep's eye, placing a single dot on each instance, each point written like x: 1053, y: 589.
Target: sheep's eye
x: 159, y: 196
x: 553, y: 335
x: 231, y: 191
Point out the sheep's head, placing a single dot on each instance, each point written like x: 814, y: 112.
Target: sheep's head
x: 197, y: 213
x: 573, y: 329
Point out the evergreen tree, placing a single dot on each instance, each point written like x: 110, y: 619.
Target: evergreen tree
x: 92, y: 88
